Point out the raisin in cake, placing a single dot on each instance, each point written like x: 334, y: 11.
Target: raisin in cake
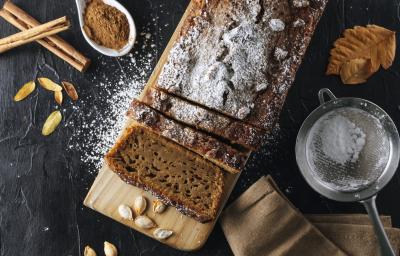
x: 177, y: 176
x: 218, y: 152
x: 240, y: 57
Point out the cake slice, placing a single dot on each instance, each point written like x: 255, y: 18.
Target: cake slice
x: 204, y: 119
x: 229, y: 158
x: 240, y: 57
x: 175, y: 175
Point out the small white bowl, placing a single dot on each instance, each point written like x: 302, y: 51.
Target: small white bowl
x: 81, y: 5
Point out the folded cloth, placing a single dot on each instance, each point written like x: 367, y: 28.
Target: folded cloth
x: 358, y: 239
x: 262, y: 222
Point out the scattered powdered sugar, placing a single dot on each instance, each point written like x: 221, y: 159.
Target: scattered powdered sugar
x: 221, y: 64
x: 280, y: 54
x: 99, y: 115
x: 277, y: 25
x: 301, y: 3
x: 342, y: 140
x: 299, y: 23
x: 261, y: 87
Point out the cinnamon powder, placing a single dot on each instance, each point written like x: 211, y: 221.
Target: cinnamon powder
x: 106, y: 25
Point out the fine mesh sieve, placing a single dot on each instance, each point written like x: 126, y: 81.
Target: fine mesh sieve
x: 347, y: 150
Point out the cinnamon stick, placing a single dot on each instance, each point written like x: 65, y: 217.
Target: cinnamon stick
x: 55, y: 44
x: 33, y: 34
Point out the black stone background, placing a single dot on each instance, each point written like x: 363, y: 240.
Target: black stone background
x: 42, y: 184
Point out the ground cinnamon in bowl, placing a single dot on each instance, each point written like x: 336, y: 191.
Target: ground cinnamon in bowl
x: 106, y: 25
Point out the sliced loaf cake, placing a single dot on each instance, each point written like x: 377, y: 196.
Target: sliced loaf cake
x: 204, y: 119
x: 218, y: 152
x: 177, y: 176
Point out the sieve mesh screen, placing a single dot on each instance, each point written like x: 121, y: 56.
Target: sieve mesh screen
x: 347, y: 149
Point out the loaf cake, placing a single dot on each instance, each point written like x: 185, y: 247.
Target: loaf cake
x: 201, y: 118
x: 223, y: 84
x: 175, y: 175
x: 218, y: 152
x: 239, y: 57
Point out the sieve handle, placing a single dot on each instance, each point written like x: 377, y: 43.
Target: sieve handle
x: 384, y: 243
x: 322, y: 93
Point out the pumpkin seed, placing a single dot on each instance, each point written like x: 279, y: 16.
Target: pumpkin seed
x: 58, y: 96
x: 51, y: 123
x: 144, y: 222
x: 70, y: 90
x: 125, y: 212
x: 140, y: 205
x: 158, y: 206
x: 162, y: 234
x: 110, y: 249
x: 49, y: 85
x: 25, y: 91
x: 89, y: 251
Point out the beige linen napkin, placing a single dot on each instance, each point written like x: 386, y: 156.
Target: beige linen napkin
x: 263, y: 222
x: 358, y: 239
x: 353, y: 233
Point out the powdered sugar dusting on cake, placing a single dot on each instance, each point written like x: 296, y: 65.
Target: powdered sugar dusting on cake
x: 299, y: 23
x: 220, y: 65
x: 301, y: 3
x: 280, y: 54
x: 223, y: 60
x: 277, y: 25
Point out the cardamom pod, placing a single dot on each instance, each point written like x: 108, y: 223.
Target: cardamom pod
x: 58, y: 96
x: 49, y: 85
x: 25, y: 91
x: 70, y: 90
x: 51, y: 123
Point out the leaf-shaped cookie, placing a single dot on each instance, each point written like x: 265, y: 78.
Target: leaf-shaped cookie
x: 371, y: 42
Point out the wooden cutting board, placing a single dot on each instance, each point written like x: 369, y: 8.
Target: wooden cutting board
x: 109, y: 191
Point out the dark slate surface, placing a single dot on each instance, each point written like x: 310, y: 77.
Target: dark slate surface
x: 42, y: 185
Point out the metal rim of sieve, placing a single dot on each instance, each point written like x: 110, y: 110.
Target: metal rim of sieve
x: 332, y: 104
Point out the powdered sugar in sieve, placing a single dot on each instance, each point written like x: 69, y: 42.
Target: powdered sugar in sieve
x: 347, y: 149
